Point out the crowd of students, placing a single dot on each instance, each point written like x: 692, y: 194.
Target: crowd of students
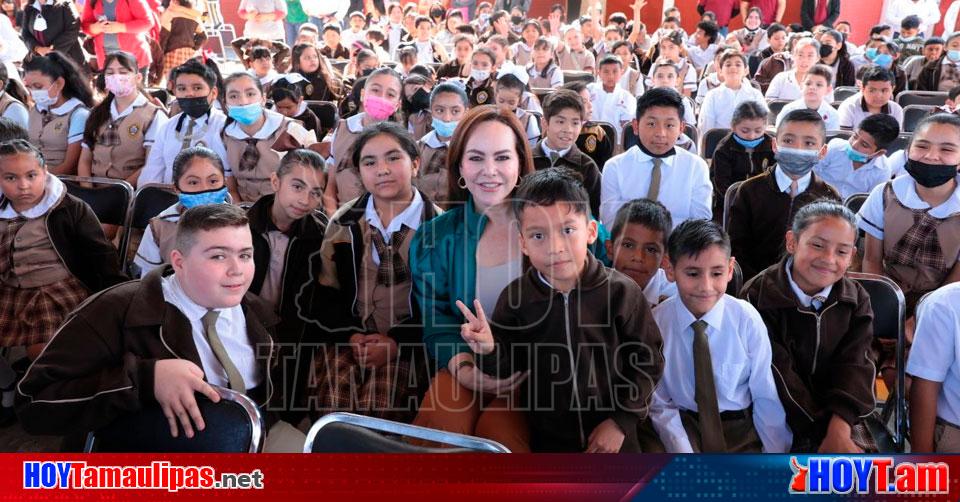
x: 480, y: 247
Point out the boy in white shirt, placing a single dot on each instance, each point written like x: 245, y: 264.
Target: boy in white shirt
x: 355, y: 33
x: 611, y: 103
x: 704, y: 45
x: 786, y: 85
x: 717, y: 393
x: 666, y: 74
x: 655, y: 168
x: 860, y: 163
x: 719, y: 104
x: 816, y: 87
x: 875, y: 96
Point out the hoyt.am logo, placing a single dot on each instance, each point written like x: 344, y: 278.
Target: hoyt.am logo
x: 880, y: 475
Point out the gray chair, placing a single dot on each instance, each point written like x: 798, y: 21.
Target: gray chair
x: 933, y: 98
x: 901, y: 143
x: 913, y: 114
x: 233, y: 425
x: 889, y: 315
x: 728, y: 198
x: 710, y: 141
x: 736, y: 284
x: 578, y: 76
x: 775, y: 105
x: 855, y: 201
x: 843, y: 92
x: 149, y: 200
x: 352, y: 433
x: 109, y: 198
x: 832, y: 135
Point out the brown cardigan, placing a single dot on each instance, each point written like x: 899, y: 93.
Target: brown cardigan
x: 823, y: 362
x: 761, y: 215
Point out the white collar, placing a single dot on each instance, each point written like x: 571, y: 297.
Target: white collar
x: 432, y: 139
x: 66, y: 107
x: 269, y: 77
x: 302, y: 108
x: 174, y: 294
x: 52, y: 192
x: 643, y: 157
x: 805, y: 299
x: 355, y: 123
x: 140, y: 100
x: 905, y: 188
x: 713, y: 318
x: 270, y: 125
x: 547, y: 150
x: 409, y: 217
x: 784, y: 181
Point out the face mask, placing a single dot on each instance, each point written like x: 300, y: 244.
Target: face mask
x: 378, y: 108
x: 246, y: 114
x: 930, y: 175
x: 366, y: 72
x: 954, y: 56
x: 479, y: 75
x: 854, y: 155
x: 516, y: 19
x: 444, y: 129
x: 194, y: 199
x: 826, y: 51
x: 42, y: 98
x: 796, y: 162
x: 484, y: 17
x: 194, y: 107
x: 748, y: 143
x: 419, y: 101
x: 871, y: 53
x: 909, y: 39
x: 120, y: 85
x: 883, y: 60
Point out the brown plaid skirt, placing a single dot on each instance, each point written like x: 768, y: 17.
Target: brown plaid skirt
x: 32, y: 315
x: 342, y: 384
x: 176, y: 58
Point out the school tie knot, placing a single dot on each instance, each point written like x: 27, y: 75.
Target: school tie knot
x: 817, y: 302
x: 392, y: 270
x: 554, y: 157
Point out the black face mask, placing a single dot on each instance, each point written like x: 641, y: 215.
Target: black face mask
x: 366, y: 72
x: 930, y: 175
x: 516, y: 19
x: 826, y: 51
x: 418, y: 102
x: 194, y: 107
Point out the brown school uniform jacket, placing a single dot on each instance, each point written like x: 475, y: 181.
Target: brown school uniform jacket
x: 450, y: 69
x: 770, y: 67
x: 822, y: 361
x: 598, y: 346
x: 579, y: 162
x: 761, y: 215
x: 432, y: 176
x: 101, y: 362
x: 732, y: 163
x: 254, y: 183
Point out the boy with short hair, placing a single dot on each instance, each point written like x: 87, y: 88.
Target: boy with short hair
x: 765, y: 205
x: 717, y: 393
x: 564, y: 115
x: 859, y: 164
x: 428, y: 50
x: 638, y: 247
x: 816, y: 87
x: 875, y: 96
x: 356, y: 32
x: 580, y: 400
x: 932, y: 50
x: 909, y: 40
x: 332, y: 48
x: 164, y: 337
x: 611, y: 103
x: 655, y: 168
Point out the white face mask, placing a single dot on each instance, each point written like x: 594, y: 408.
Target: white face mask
x: 42, y: 98
x: 479, y: 75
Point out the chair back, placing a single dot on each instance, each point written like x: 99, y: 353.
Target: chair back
x: 710, y: 141
x: 913, y: 114
x: 352, y: 433
x: 149, y: 200
x: 109, y: 198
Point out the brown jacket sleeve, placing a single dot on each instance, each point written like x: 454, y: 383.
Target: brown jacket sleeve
x: 740, y: 230
x: 641, y: 365
x: 83, y: 379
x: 853, y: 366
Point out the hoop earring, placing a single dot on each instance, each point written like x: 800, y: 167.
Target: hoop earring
x: 462, y: 183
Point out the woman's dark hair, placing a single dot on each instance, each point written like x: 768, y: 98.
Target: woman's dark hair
x: 55, y: 65
x: 101, y: 113
x: 183, y: 160
x: 392, y: 129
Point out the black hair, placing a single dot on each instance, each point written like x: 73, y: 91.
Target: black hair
x: 749, y: 110
x: 576, y: 86
x: 818, y: 210
x: 17, y: 146
x: 551, y: 186
x: 331, y: 27
x: 621, y: 43
x: 392, y: 129
x: 449, y: 87
x: 10, y: 130
x: 183, y: 160
x: 617, y: 18
x: 911, y: 22
x: 884, y: 129
x: 282, y: 89
x: 651, y: 214
x: 510, y: 81
x: 950, y: 119
x: 878, y: 29
x: 661, y: 96
x: 804, y: 115
x: 424, y: 71
x: 194, y: 67
x: 259, y: 52
x: 55, y: 65
x: 693, y: 237
x: 795, y: 27
x: 933, y: 41
x: 13, y: 87
x: 302, y: 157
x: 775, y: 28
x: 563, y: 99
x: 711, y: 29
x: 101, y: 112
x: 609, y: 59
x: 422, y: 19
x: 874, y: 73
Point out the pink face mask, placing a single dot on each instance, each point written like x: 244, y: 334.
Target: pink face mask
x: 120, y: 85
x: 378, y: 108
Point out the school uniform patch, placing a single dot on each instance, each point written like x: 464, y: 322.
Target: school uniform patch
x: 308, y: 90
x: 590, y: 145
x: 134, y: 130
x: 58, y: 126
x: 482, y: 97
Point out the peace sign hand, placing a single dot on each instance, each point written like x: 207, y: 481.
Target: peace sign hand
x: 476, y: 331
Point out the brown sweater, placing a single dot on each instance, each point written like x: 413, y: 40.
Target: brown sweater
x: 823, y: 363
x: 579, y: 162
x: 761, y: 215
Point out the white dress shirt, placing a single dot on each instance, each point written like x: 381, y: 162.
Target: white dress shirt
x: 659, y: 286
x: 206, y: 132
x: 935, y: 350
x: 829, y: 114
x: 742, y: 366
x: 231, y: 328
x: 409, y: 217
x: 870, y: 217
x: 784, y: 181
x: 720, y: 103
x: 837, y: 170
x: 702, y: 57
x: 685, y: 187
x: 805, y: 299
x: 852, y: 111
x: 614, y: 107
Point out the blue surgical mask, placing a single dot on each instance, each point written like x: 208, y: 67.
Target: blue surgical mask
x: 194, y: 199
x: 796, y: 162
x: 444, y: 129
x: 245, y: 114
x: 854, y: 155
x: 748, y: 143
x: 883, y: 60
x: 871, y: 53
x: 954, y: 56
